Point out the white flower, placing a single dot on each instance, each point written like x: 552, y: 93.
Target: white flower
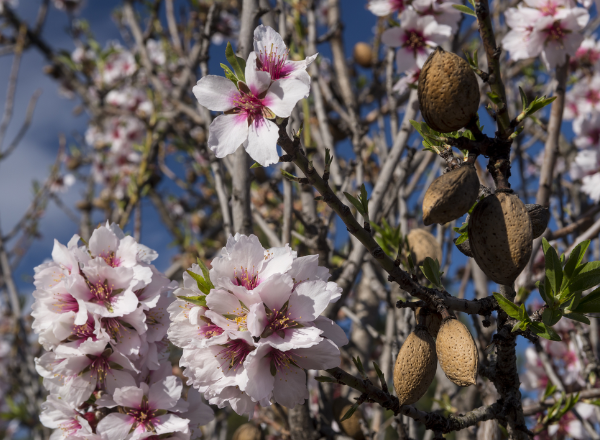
x: 272, y: 57
x: 583, y: 98
x: 71, y: 6
x: 591, y: 186
x: 587, y: 56
x: 249, y: 111
x: 382, y: 8
x: 144, y: 409
x: 547, y: 27
x: 156, y: 52
x: 415, y: 39
x: 587, y: 129
x: 441, y: 10
x: 587, y: 162
x: 58, y: 414
x: 244, y: 262
x: 280, y: 374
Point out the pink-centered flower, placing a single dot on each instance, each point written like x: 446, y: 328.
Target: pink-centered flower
x: 587, y: 56
x: 144, y: 409
x: 441, y: 10
x: 583, y: 98
x: 415, y: 39
x: 249, y: 110
x: 547, y: 27
x: 58, y: 414
x: 272, y: 56
x: 280, y: 374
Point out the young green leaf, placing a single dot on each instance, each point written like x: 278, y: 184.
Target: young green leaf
x: 549, y: 391
x: 431, y: 270
x: 538, y: 104
x: 357, y: 204
x: 554, y: 274
x: 524, y: 101
x: 584, y: 277
x: 575, y: 258
x: 465, y: 10
x: 548, y: 299
x: 546, y: 332
x: 589, y: 303
x: 229, y: 74
x: 577, y: 317
x: 494, y: 98
x: 349, y: 413
x: 551, y: 316
x: 202, y: 285
x: 508, y: 306
x: 234, y: 62
x: 199, y: 300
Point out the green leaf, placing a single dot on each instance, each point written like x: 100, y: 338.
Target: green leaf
x: 357, y: 204
x: 199, y: 300
x: 493, y: 97
x: 549, y: 300
x: 551, y: 316
x: 584, y: 277
x: 203, y: 285
x: 472, y: 3
x: 229, y: 74
x: 542, y: 330
x: 538, y: 104
x: 431, y: 270
x: 234, y: 62
x: 349, y: 413
x: 462, y: 239
x: 256, y: 165
x: 325, y: 379
x: 577, y: 317
x: 465, y: 10
x: 364, y: 199
x: 358, y: 364
x: 576, y: 257
x: 524, y: 101
x: 589, y: 303
x: 550, y: 390
x: 554, y: 274
x: 508, y: 306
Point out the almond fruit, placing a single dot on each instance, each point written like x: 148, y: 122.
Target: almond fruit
x: 451, y: 195
x: 415, y: 366
x: 457, y: 352
x: 423, y: 244
x: 363, y: 54
x: 433, y: 321
x: 501, y: 237
x: 350, y: 426
x: 247, y: 431
x: 448, y: 91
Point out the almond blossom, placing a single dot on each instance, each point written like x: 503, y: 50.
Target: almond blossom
x: 272, y: 56
x: 415, y: 39
x: 249, y: 109
x: 144, y: 409
x: 547, y: 27
x: 254, y: 306
x: 101, y: 310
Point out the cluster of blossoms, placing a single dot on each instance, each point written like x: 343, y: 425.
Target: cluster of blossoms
x: 550, y: 28
x: 568, y: 366
x: 271, y: 86
x: 251, y: 325
x: 424, y: 24
x: 101, y: 312
x: 115, y: 138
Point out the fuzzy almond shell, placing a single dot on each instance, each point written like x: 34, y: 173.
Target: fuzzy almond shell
x: 457, y: 353
x: 451, y: 195
x: 350, y: 426
x: 247, y: 431
x: 423, y: 244
x: 415, y: 366
x: 448, y: 91
x: 501, y: 237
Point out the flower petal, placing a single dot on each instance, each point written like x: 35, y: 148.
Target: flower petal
x: 130, y: 397
x: 318, y: 357
x: 257, y: 81
x: 331, y: 331
x: 216, y: 93
x: 227, y: 133
x: 262, y: 142
x: 165, y: 394
x: 284, y: 94
x: 115, y: 426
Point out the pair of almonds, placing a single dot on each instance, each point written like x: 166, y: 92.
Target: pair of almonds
x: 417, y: 360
